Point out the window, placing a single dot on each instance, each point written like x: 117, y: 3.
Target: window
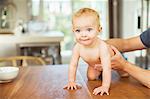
x: 57, y: 14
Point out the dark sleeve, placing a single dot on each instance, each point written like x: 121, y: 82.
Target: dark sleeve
x: 145, y: 38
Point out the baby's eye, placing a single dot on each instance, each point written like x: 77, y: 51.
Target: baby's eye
x: 77, y: 30
x: 89, y: 29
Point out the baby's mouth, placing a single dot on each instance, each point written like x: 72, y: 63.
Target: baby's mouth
x: 84, y: 39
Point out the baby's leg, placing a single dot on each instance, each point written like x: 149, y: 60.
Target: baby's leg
x: 92, y: 74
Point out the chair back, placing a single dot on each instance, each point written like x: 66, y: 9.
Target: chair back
x: 23, y: 60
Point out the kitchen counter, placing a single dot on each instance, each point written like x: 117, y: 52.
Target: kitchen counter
x: 46, y: 45
x: 53, y: 36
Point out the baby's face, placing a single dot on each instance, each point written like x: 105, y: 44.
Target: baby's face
x: 86, y: 29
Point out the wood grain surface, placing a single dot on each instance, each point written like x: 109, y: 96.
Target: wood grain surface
x: 47, y: 82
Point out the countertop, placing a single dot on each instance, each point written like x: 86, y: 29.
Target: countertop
x: 52, y: 36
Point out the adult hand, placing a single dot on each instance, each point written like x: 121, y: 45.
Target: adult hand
x: 117, y: 61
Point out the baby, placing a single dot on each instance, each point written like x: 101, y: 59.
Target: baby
x: 91, y: 49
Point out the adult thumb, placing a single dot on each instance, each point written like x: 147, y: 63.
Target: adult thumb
x: 114, y: 49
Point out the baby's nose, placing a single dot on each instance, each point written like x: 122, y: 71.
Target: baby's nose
x: 83, y: 34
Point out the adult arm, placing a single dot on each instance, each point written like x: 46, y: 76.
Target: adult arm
x: 126, y: 45
x: 135, y: 43
x: 118, y: 62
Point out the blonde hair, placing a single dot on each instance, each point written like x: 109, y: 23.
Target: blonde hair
x: 87, y: 11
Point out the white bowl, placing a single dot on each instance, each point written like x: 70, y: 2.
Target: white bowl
x: 7, y: 74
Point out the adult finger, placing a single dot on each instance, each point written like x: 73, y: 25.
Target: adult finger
x: 115, y: 49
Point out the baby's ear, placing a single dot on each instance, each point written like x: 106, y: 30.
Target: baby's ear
x: 100, y: 29
x: 72, y: 29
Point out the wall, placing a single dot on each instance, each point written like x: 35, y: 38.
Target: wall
x: 130, y: 14
x: 20, y: 12
x: 22, y: 9
x: 131, y: 10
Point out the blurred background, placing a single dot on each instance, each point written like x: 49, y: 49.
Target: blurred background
x: 24, y: 22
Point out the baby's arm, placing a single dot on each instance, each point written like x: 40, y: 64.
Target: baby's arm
x: 106, y: 75
x: 73, y: 69
x: 73, y: 64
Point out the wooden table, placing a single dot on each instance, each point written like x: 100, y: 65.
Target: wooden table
x: 46, y: 82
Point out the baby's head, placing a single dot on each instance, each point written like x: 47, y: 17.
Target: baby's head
x: 86, y: 16
x: 86, y: 26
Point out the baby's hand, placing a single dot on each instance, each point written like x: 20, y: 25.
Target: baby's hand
x: 72, y: 86
x: 102, y: 90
